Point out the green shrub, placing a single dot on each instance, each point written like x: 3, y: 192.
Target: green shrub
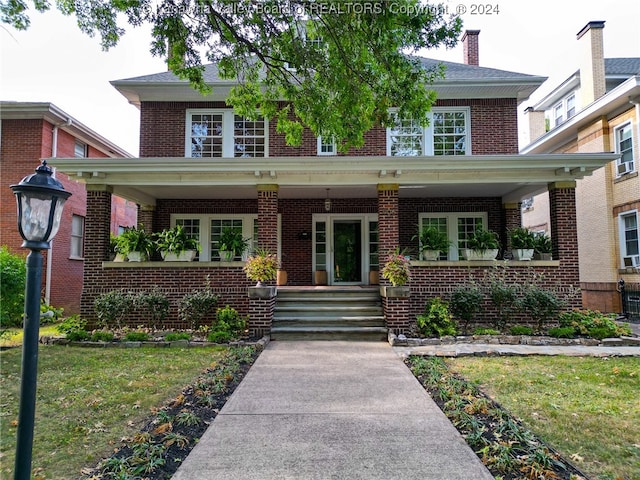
x: 175, y: 336
x: 466, y: 302
x: 505, y: 298
x: 219, y: 336
x: 78, y: 336
x: 540, y: 304
x: 521, y: 330
x: 436, y: 320
x: 112, y: 307
x: 13, y: 272
x: 50, y: 314
x: 486, y: 331
x: 102, y: 336
x: 73, y: 326
x: 154, y: 305
x: 231, y: 318
x: 194, y: 307
x: 593, y: 324
x: 562, y: 332
x: 136, y: 337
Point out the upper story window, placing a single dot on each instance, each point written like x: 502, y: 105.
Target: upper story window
x: 221, y: 133
x: 564, y: 110
x: 327, y: 146
x: 447, y: 134
x: 624, y: 146
x: 80, y: 150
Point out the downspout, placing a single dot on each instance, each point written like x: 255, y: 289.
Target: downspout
x: 54, y: 153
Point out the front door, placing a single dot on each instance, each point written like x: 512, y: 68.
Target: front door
x: 346, y: 248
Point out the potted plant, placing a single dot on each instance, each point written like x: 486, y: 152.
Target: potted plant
x: 231, y: 244
x: 262, y: 266
x: 482, y: 244
x: 115, y: 255
x: 542, y: 247
x: 523, y: 242
x: 176, y: 246
x: 433, y: 241
x: 396, y: 270
x: 135, y: 244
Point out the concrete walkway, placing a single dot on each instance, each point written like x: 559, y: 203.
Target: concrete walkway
x: 331, y: 410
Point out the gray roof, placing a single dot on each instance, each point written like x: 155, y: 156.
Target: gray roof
x: 454, y: 72
x: 622, y: 66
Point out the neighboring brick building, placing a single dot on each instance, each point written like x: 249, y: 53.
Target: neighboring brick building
x: 597, y: 109
x: 30, y: 132
x: 331, y: 217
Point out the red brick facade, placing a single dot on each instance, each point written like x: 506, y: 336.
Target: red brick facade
x: 24, y: 142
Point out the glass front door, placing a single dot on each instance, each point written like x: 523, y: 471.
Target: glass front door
x: 347, y: 251
x: 345, y: 248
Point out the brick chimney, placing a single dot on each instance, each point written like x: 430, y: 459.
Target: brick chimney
x: 470, y: 47
x: 592, y: 81
x: 537, y: 123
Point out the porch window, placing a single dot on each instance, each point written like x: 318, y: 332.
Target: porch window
x: 624, y: 146
x: 221, y: 133
x: 77, y: 236
x: 457, y: 225
x: 446, y: 134
x: 207, y: 229
x: 629, y: 239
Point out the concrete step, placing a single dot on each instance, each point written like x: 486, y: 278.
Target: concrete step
x: 328, y: 313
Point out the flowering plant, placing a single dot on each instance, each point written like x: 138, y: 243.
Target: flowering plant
x: 261, y: 266
x: 396, y: 269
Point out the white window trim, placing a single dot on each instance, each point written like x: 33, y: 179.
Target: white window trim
x: 205, y: 229
x: 73, y: 236
x: 319, y: 148
x: 227, y: 126
x: 452, y: 227
x: 427, y: 132
x: 616, y: 132
x: 622, y: 237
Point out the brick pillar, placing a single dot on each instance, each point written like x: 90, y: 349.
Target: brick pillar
x: 262, y: 304
x: 146, y: 217
x: 388, y: 226
x: 512, y: 219
x: 96, y: 248
x: 564, y: 233
x: 268, y: 217
x: 396, y: 314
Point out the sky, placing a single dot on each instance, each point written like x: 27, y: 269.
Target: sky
x: 54, y: 62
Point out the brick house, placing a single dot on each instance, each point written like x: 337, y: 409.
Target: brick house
x: 597, y: 109
x: 332, y: 218
x: 31, y: 131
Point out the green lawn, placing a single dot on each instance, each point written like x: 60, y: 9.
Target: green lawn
x: 586, y: 408
x: 90, y: 398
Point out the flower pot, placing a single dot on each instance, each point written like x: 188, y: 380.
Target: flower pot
x: 430, y: 255
x: 374, y: 277
x: 226, y: 256
x: 281, y: 277
x: 320, y: 277
x: 542, y: 256
x: 185, y: 256
x: 395, y: 292
x: 119, y: 258
x: 522, y: 253
x: 473, y: 255
x: 136, y: 257
x: 261, y: 293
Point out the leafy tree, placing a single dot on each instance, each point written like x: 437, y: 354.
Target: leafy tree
x: 338, y: 65
x: 13, y: 275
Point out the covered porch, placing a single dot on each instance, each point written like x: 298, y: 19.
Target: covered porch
x: 340, y: 215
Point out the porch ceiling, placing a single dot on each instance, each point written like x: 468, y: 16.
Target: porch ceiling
x: 511, y: 177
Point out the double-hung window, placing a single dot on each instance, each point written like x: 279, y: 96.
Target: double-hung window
x: 77, y: 236
x: 446, y: 134
x: 327, y: 146
x: 624, y: 146
x: 222, y: 133
x: 457, y: 225
x: 207, y: 229
x: 629, y: 238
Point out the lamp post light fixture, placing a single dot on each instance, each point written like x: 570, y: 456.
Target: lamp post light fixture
x: 40, y: 199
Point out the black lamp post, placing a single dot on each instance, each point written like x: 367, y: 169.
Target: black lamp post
x: 40, y: 200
